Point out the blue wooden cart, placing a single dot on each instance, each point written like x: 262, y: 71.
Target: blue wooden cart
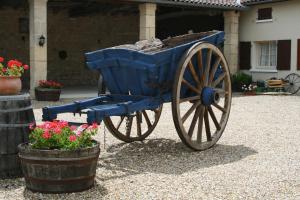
x: 189, y: 71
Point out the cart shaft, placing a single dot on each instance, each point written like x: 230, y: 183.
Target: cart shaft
x: 98, y: 108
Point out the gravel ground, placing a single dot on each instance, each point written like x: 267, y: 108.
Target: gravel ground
x: 258, y: 157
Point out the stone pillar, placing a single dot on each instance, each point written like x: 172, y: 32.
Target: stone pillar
x: 231, y: 45
x: 147, y: 21
x: 38, y: 54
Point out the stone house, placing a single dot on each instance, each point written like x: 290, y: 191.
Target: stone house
x: 270, y: 38
x: 53, y: 35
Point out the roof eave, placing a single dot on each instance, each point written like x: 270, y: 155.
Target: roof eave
x: 265, y: 2
x: 241, y: 7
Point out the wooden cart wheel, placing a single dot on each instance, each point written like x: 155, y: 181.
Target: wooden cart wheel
x: 292, y: 83
x: 201, y: 96
x: 135, y: 127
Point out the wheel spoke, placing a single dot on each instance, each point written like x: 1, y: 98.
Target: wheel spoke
x: 213, y: 117
x: 194, y: 74
x: 189, y: 112
x: 218, y: 80
x: 213, y: 70
x: 138, y: 124
x: 193, y: 123
x: 221, y: 91
x: 189, y: 99
x: 129, y: 126
x: 200, y: 125
x: 294, y: 77
x: 146, y: 118
x: 120, y: 122
x: 296, y: 80
x: 219, y: 107
x: 207, y: 67
x: 207, y: 127
x: 190, y: 86
x: 290, y: 89
x: 128, y: 131
x: 200, y: 64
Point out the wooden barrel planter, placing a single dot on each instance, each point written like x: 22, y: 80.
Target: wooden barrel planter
x: 59, y: 171
x: 16, y: 114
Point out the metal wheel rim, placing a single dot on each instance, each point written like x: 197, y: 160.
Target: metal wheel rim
x: 178, y: 120
x: 293, y: 83
x: 124, y: 136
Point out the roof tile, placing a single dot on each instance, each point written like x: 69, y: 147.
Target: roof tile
x: 213, y: 3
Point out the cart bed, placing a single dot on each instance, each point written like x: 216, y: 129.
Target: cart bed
x: 127, y: 71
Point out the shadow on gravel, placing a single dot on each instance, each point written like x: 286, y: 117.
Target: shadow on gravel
x: 166, y: 156
x: 96, y: 192
x: 11, y: 184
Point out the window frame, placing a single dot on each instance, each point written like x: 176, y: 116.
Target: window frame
x: 256, y: 52
x: 258, y: 20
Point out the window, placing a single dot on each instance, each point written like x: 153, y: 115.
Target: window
x: 264, y: 14
x: 23, y: 25
x: 266, y: 55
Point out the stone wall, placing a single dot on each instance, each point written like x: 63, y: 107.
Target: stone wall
x: 13, y: 44
x: 68, y: 40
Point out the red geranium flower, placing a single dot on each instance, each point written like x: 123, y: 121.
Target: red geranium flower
x: 18, y: 63
x: 13, y: 68
x: 46, y: 135
x: 72, y: 138
x: 26, y: 67
x: 73, y: 128
x: 49, y: 84
x: 62, y: 124
x: 11, y: 63
x: 84, y: 126
x: 32, y: 126
x: 59, y: 135
x: 57, y: 130
x: 94, y: 125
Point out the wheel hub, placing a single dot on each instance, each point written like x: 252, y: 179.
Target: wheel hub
x: 209, y: 96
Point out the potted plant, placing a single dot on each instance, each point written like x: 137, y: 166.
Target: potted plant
x: 249, y: 89
x: 48, y: 91
x: 10, y: 77
x: 60, y: 158
x: 239, y: 80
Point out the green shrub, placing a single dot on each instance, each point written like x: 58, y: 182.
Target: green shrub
x: 239, y: 79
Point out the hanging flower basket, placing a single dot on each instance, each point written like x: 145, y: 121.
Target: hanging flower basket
x: 60, y: 158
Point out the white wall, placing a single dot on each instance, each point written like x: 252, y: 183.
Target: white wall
x: 285, y: 25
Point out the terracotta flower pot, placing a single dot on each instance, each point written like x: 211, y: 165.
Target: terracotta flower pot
x: 10, y: 85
